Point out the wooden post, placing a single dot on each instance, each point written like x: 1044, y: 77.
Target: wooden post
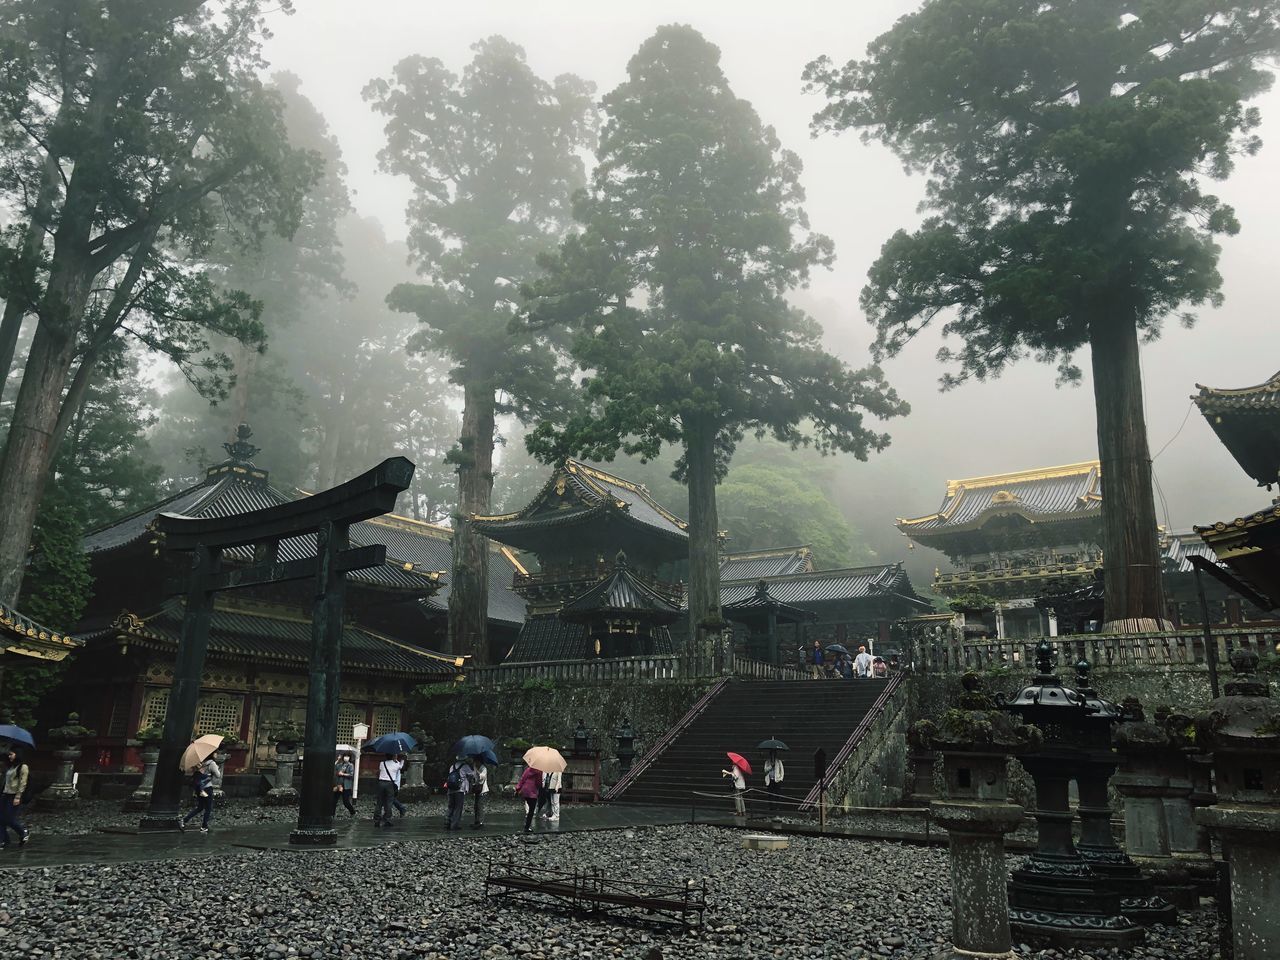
x: 164, y: 812
x: 1210, y: 646
x: 315, y: 812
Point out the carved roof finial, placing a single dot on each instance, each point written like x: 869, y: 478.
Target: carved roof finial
x: 240, y: 449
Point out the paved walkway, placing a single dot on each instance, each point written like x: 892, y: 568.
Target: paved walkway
x: 122, y: 847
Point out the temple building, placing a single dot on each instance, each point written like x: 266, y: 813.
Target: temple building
x: 1247, y: 421
x: 1014, y: 537
x: 847, y: 605
x: 575, y: 526
x: 596, y: 535
x: 259, y: 647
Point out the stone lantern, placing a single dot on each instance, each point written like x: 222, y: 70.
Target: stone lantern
x: 68, y: 738
x: 581, y: 739
x: 1148, y: 757
x: 626, y: 739
x: 976, y: 742
x: 1242, y: 728
x: 1056, y: 898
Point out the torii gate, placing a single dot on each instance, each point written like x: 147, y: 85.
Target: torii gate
x: 328, y: 515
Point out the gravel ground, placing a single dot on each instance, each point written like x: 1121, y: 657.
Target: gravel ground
x: 91, y: 815
x: 819, y: 898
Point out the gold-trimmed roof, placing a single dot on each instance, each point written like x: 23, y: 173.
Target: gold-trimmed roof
x: 23, y: 637
x: 1042, y: 493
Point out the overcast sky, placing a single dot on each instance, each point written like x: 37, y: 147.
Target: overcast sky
x: 856, y: 194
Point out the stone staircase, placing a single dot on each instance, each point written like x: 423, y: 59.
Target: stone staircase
x: 804, y: 714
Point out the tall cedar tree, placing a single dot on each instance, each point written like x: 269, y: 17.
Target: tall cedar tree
x: 1065, y: 141
x: 693, y: 235
x: 494, y: 159
x: 143, y: 124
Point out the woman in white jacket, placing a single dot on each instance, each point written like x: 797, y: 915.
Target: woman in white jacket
x: 739, y: 788
x: 551, y: 783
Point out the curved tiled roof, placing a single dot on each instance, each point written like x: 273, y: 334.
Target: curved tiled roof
x: 1179, y: 548
x: 761, y: 603
x: 599, y: 493
x: 430, y: 547
x: 1042, y: 495
x: 1247, y: 421
x: 853, y: 583
x: 263, y: 635
x: 754, y: 564
x: 22, y: 636
x: 623, y: 593
x: 231, y: 490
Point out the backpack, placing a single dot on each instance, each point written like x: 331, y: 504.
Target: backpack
x: 453, y: 780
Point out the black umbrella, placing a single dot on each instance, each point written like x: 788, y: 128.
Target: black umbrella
x: 837, y: 648
x: 771, y: 745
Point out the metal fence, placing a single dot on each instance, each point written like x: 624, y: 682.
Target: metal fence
x: 954, y: 653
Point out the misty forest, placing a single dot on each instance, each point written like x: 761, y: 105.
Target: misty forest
x: 623, y: 268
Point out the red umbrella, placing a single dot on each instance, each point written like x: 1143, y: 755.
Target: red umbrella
x: 739, y: 761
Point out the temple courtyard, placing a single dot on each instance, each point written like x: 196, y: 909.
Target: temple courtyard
x: 82, y: 890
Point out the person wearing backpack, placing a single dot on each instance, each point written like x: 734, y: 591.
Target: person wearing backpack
x: 388, y: 779
x: 527, y: 789
x: 17, y: 775
x: 456, y: 784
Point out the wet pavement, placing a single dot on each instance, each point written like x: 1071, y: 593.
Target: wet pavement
x: 116, y: 846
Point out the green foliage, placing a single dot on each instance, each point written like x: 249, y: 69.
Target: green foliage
x: 58, y: 581
x: 1065, y: 142
x: 544, y: 684
x: 70, y: 732
x: 493, y: 157
x: 149, y: 735
x: 972, y: 601
x: 25, y: 686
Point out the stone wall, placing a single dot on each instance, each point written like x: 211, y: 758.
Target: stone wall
x: 546, y: 711
x: 876, y: 774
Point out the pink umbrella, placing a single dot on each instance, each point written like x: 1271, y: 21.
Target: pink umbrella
x: 739, y: 761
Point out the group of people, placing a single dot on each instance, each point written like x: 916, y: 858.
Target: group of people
x: 15, y: 780
x: 835, y: 665
x: 774, y: 773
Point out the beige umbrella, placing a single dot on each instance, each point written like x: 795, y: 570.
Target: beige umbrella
x: 545, y: 759
x: 199, y: 751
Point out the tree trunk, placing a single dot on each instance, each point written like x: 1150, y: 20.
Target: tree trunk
x: 469, y: 589
x: 1132, y: 589
x: 30, y: 449
x: 23, y: 294
x: 704, y: 535
x: 327, y: 470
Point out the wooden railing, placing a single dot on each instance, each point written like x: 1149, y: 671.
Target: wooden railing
x: 671, y: 666
x: 1182, y: 647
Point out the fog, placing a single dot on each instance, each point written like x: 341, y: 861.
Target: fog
x: 858, y: 195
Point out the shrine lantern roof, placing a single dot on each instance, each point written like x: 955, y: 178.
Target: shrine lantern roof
x: 1247, y: 421
x: 620, y: 595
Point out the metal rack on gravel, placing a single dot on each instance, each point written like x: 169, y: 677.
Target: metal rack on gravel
x: 595, y: 895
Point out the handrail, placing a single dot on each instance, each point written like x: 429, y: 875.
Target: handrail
x: 665, y: 740
x: 855, y: 738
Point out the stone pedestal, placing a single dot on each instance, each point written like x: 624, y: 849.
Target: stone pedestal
x: 1242, y: 729
x: 1147, y: 756
x: 1139, y: 900
x: 1200, y: 863
x: 413, y: 788
x: 922, y: 790
x: 283, y: 793
x: 62, y: 792
x: 1056, y: 898
x: 140, y: 799
x: 976, y: 741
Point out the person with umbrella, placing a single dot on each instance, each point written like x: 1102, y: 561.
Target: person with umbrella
x: 477, y: 777
x: 205, y: 775
x: 455, y: 782
x: 738, y: 766
x: 551, y: 764
x: 16, y: 777
x: 774, y: 772
x: 388, y: 780
x: 527, y: 789
x: 344, y: 776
